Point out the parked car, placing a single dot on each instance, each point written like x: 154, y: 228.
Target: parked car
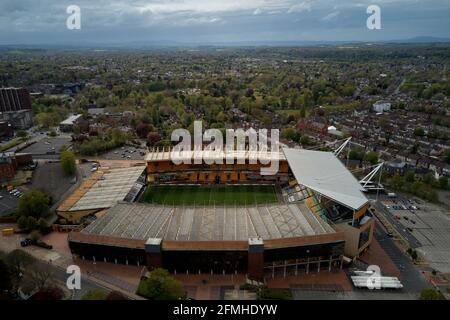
x: 25, y: 242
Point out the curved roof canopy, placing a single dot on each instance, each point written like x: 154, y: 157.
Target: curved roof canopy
x: 324, y: 173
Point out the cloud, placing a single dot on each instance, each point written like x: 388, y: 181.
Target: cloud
x: 330, y: 16
x: 297, y: 8
x: 237, y: 19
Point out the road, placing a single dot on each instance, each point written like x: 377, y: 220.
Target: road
x: 60, y: 275
x: 411, y: 278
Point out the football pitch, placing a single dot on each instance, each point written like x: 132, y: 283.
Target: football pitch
x: 210, y: 195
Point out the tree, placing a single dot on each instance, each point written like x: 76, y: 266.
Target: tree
x: 18, y: 260
x: 410, y: 177
x: 38, y: 276
x: 31, y: 223
x: 447, y: 156
x: 304, y: 140
x: 68, y: 165
x: 371, y: 157
x: 419, y: 132
x: 22, y: 134
x: 95, y: 294
x: 161, y: 286
x: 5, y: 276
x: 35, y: 235
x: 22, y: 222
x: 431, y: 294
x: 142, y: 130
x: 356, y: 155
x: 290, y: 134
x: 42, y: 225
x: 34, y: 203
x: 153, y: 138
x: 443, y: 182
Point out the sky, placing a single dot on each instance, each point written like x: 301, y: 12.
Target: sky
x: 31, y: 22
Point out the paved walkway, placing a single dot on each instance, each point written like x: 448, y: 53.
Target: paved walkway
x: 111, y: 277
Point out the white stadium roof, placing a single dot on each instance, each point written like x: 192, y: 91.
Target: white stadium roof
x: 324, y: 173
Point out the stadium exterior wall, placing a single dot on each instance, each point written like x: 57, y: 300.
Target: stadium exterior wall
x: 206, y: 256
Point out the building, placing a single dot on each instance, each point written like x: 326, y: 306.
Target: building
x: 10, y: 162
x: 381, y: 106
x: 15, y: 107
x: 102, y: 190
x: 69, y: 124
x: 161, y: 168
x: 6, y: 130
x: 323, y: 219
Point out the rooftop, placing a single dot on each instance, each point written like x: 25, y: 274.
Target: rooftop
x: 71, y: 119
x: 206, y: 154
x: 207, y: 223
x: 103, y: 189
x: 324, y: 173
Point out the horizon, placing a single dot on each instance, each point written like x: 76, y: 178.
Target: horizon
x: 201, y: 22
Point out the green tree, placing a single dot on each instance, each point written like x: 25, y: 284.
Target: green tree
x: 68, y: 165
x: 22, y: 222
x: 42, y: 224
x: 371, y: 157
x: 356, y: 155
x: 31, y: 223
x: 95, y: 294
x: 34, y: 203
x: 161, y: 286
x: 447, y: 156
x: 443, y: 182
x: 304, y: 140
x: 419, y: 132
x: 410, y: 177
x: 290, y: 134
x: 22, y: 134
x: 35, y: 235
x: 431, y: 294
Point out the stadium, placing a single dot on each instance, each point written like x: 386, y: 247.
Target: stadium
x: 223, y: 218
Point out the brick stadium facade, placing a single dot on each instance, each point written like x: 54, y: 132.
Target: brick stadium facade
x: 161, y: 169
x: 256, y: 258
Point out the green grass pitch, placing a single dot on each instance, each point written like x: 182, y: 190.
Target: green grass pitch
x: 210, y: 195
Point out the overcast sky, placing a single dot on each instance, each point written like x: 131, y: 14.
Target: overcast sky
x: 214, y: 21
